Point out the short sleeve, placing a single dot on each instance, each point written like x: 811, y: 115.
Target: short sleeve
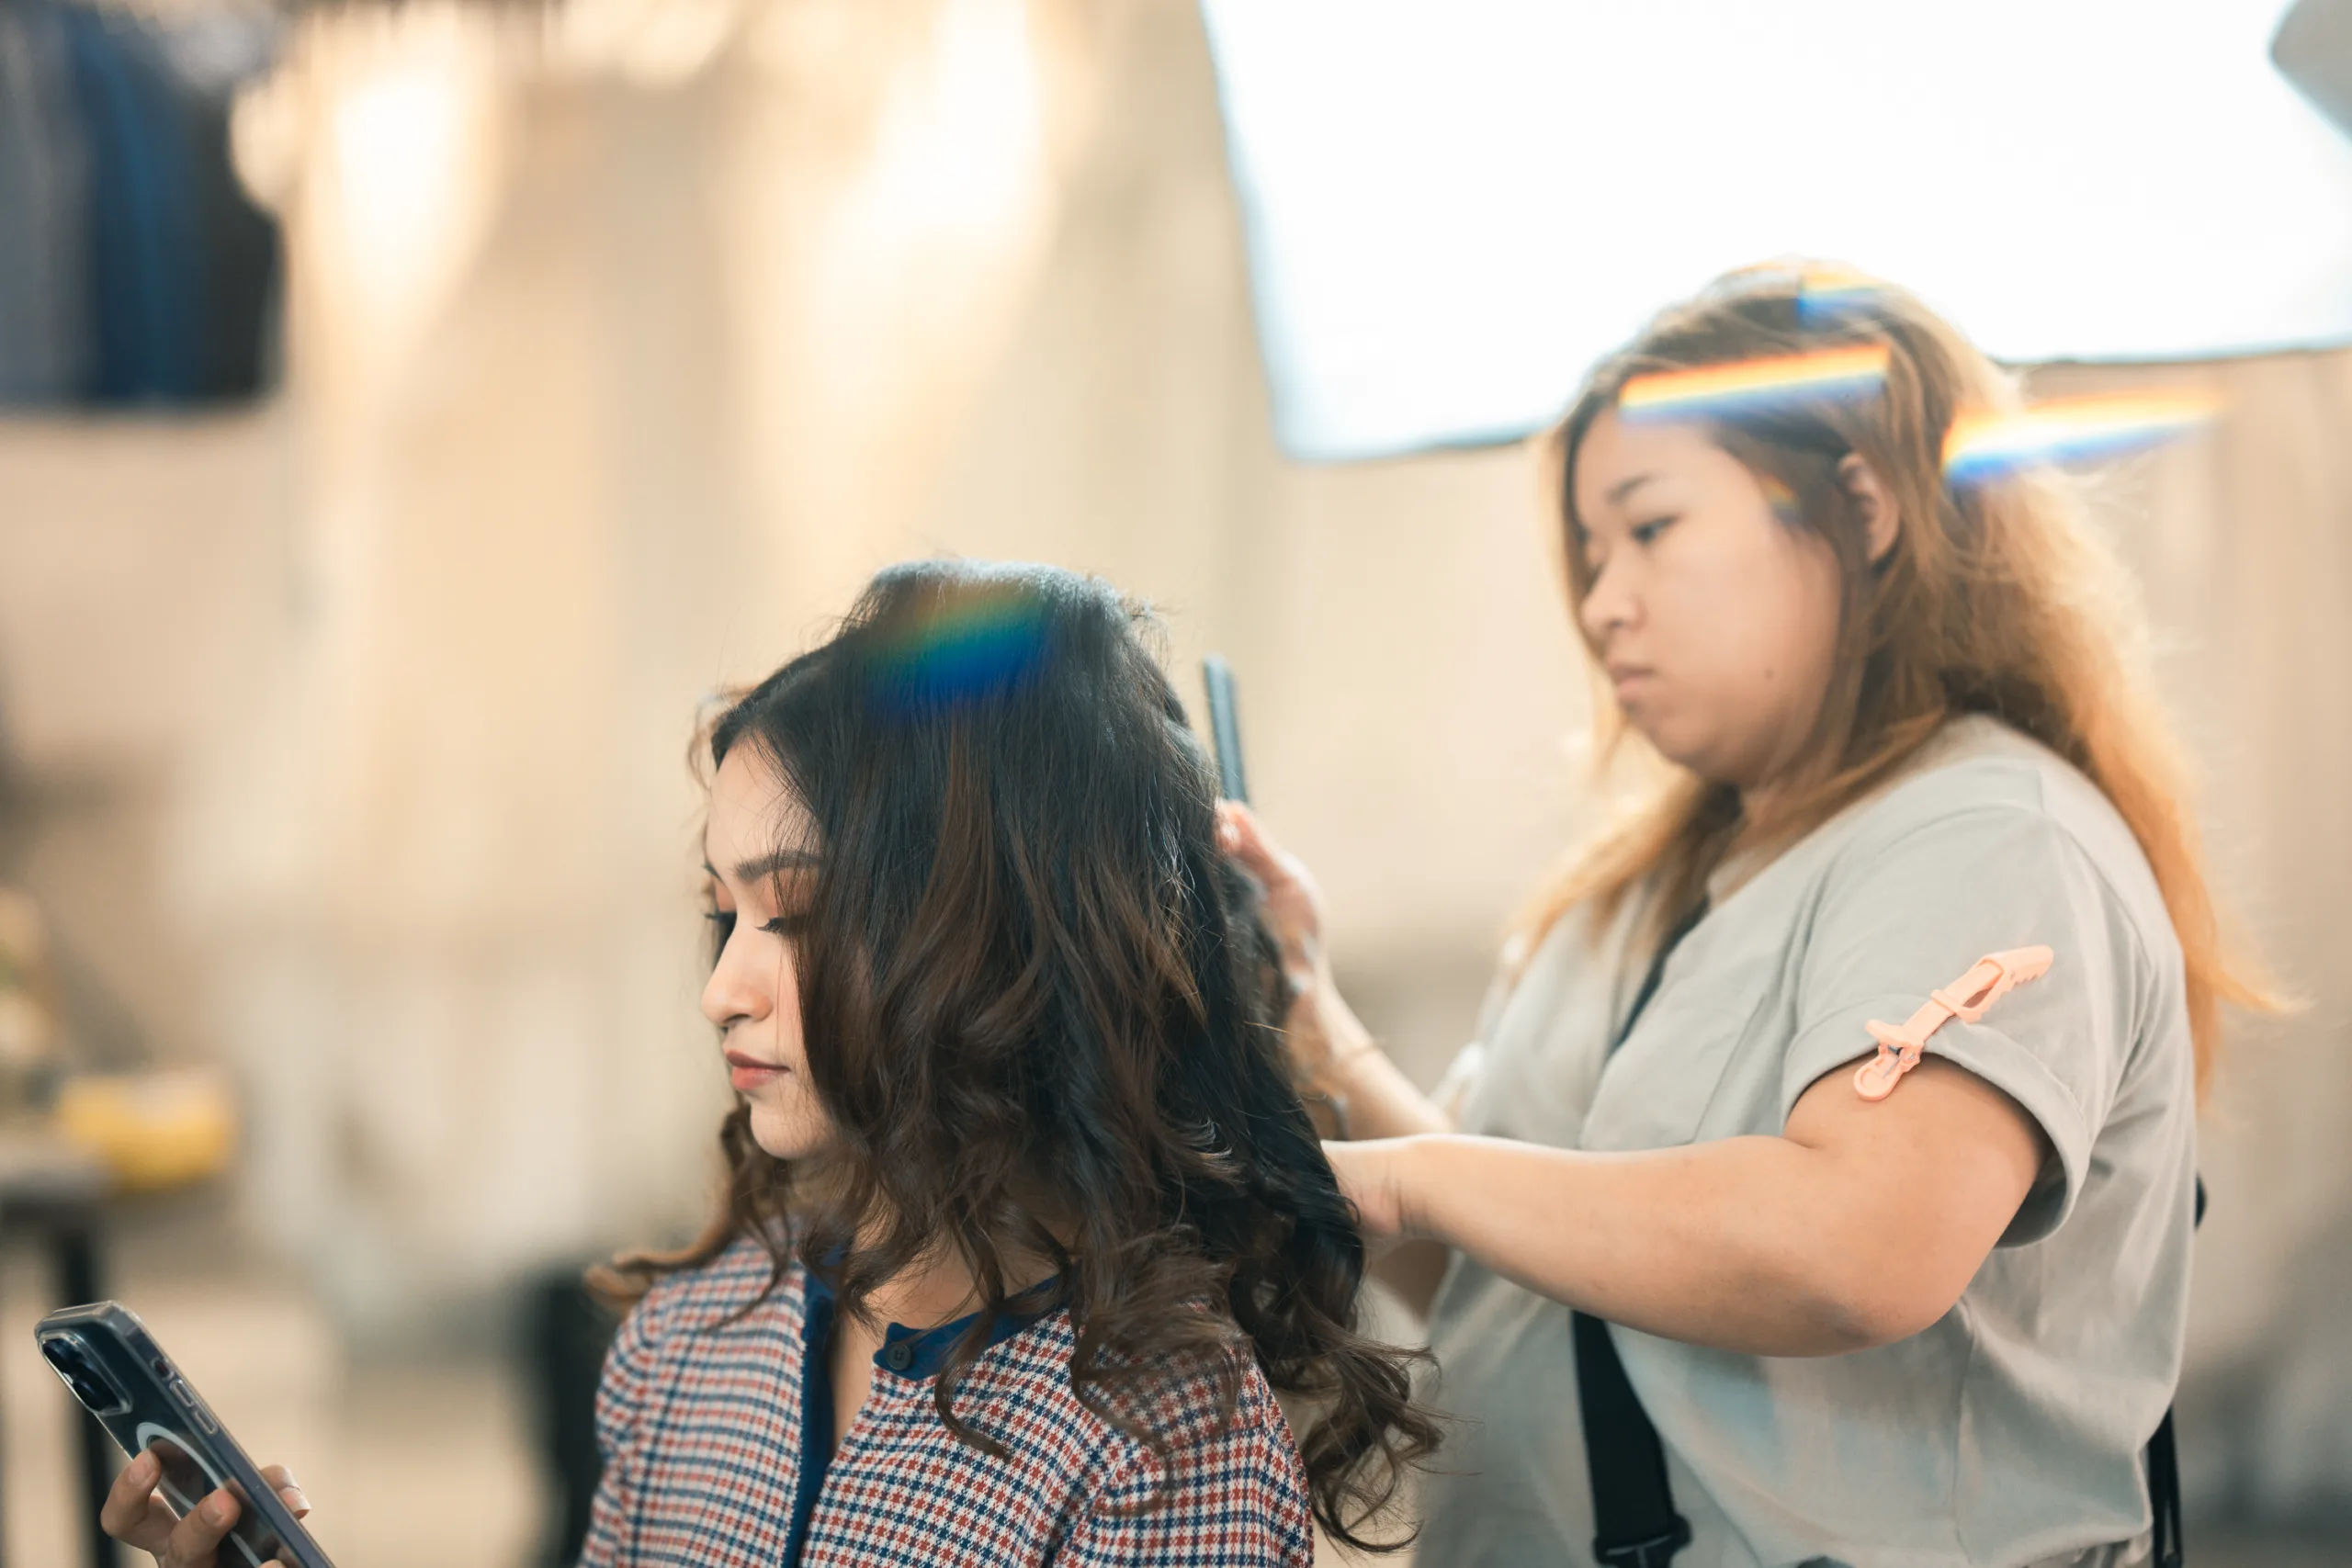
x: 1234, y: 1501
x: 621, y: 1397
x: 1900, y: 918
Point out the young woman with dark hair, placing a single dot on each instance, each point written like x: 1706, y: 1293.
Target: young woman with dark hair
x: 1025, y: 1228
x: 1003, y: 1022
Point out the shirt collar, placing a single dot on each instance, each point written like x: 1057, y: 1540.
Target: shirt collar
x: 920, y: 1352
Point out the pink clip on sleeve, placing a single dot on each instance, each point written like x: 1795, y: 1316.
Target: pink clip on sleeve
x: 1967, y: 998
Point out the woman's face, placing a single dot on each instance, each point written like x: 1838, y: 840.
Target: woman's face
x: 758, y: 848
x: 1716, y: 622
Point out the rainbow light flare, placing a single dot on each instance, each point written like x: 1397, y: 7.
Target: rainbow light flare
x: 1743, y: 384
x: 1981, y: 447
x: 970, y: 646
x: 1828, y: 291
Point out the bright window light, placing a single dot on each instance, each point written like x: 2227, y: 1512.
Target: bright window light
x: 1454, y: 208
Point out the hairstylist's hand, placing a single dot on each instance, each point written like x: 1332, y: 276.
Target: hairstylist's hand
x: 1323, y: 1032
x: 1372, y: 1179
x: 136, y: 1514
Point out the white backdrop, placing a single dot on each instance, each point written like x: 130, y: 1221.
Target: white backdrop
x: 1453, y: 210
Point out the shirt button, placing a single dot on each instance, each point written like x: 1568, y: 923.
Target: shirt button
x: 899, y: 1357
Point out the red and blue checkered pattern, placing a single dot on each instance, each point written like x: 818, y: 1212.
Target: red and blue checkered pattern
x: 699, y: 1419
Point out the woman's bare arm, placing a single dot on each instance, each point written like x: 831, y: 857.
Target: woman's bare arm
x: 1859, y: 1225
x: 1356, y: 1089
x: 1382, y: 1102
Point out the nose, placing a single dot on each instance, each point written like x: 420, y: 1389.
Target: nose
x: 1609, y: 604
x: 732, y: 994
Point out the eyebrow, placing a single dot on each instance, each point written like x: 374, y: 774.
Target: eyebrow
x: 767, y: 866
x: 1623, y: 488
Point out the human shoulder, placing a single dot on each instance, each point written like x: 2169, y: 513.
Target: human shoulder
x: 1221, y: 1470
x: 1991, y: 841
x: 1187, y: 1426
x: 708, y: 1294
x: 655, y: 1352
x: 1183, y: 1407
x: 1192, y: 1414
x: 1986, y: 793
x: 1972, y: 764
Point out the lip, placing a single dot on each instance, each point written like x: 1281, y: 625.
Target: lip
x: 748, y: 1073
x: 1622, y: 676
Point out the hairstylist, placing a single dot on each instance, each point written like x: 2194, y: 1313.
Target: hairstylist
x: 1877, y: 1312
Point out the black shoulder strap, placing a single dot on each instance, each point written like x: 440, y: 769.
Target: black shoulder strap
x: 2164, y: 1496
x: 1634, y: 1521
x: 2164, y: 1469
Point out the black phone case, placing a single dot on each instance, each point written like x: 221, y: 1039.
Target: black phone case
x: 143, y: 1402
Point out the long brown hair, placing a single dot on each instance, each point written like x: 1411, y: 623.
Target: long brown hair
x: 1042, y: 1011
x: 1996, y: 598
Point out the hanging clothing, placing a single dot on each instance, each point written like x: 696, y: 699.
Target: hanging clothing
x: 45, y: 342
x: 134, y: 271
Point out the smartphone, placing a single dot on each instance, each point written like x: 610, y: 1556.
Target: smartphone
x: 124, y: 1380
x: 1225, y: 729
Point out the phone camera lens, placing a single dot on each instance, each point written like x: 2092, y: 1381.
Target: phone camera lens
x: 92, y: 1387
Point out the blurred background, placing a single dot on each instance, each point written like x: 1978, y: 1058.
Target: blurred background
x: 412, y: 414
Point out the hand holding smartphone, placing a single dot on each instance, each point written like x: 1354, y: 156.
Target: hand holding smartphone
x: 113, y: 1366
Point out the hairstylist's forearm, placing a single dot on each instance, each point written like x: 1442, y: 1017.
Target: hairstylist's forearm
x: 1382, y: 1102
x: 1379, y: 1102
x: 1690, y: 1243
x: 1859, y: 1225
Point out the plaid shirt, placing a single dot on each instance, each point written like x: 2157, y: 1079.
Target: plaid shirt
x: 700, y: 1420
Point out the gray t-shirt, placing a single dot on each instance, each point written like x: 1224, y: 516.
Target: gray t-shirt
x: 2009, y: 1432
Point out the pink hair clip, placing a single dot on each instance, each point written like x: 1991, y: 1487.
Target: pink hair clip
x: 1967, y: 998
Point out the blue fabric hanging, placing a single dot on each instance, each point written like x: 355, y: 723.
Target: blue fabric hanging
x: 146, y: 277
x: 45, y: 337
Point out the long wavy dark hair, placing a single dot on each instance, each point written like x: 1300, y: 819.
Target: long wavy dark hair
x: 1043, y: 1013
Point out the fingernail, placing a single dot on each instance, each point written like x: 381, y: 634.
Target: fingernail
x: 145, y: 1469
x: 294, y: 1499
x: 217, y: 1508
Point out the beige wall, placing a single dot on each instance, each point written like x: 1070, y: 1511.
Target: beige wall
x: 2244, y: 542
x: 361, y: 721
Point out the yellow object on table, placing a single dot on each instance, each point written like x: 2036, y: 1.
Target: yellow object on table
x: 152, y: 1130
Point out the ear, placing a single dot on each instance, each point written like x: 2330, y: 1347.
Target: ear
x: 1874, y: 502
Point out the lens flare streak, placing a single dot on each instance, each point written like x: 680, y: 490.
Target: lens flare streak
x: 960, y: 651
x: 1744, y: 384
x: 1827, y: 292
x: 1984, y: 445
